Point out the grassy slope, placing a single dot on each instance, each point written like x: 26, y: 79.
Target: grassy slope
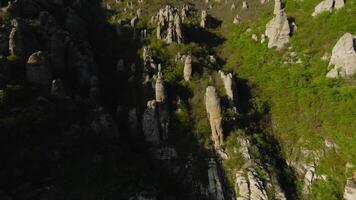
x: 304, y: 107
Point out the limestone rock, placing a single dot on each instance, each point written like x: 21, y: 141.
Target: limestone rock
x: 230, y: 86
x: 16, y: 43
x: 204, y: 19
x: 38, y: 70
x: 277, y: 7
x: 212, y: 102
x: 339, y: 4
x: 150, y: 124
x: 237, y: 20
x: 169, y: 24
x: 328, y: 5
x: 242, y: 185
x: 350, y: 189
x: 256, y: 186
x: 215, y: 185
x: 160, y: 89
x: 343, y: 57
x: 244, y: 5
x: 278, y: 30
x: 188, y: 68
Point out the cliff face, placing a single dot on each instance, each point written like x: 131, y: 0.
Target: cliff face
x: 103, y: 99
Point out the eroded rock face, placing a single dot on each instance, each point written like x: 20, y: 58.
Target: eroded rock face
x: 188, y: 68
x: 278, y: 30
x: 160, y: 89
x: 343, y: 57
x: 328, y: 5
x: 230, y: 86
x: 215, y: 185
x: 212, y: 102
x: 169, y: 25
x: 150, y: 124
x: 38, y: 70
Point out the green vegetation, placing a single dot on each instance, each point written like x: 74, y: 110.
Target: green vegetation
x: 305, y: 108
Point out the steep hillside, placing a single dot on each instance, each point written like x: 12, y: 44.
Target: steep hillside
x: 168, y: 99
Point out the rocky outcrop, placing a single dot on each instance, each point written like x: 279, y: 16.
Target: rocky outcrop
x: 215, y: 185
x: 38, y: 70
x: 278, y: 30
x: 343, y: 57
x: 160, y: 90
x: 237, y: 20
x: 188, y: 68
x: 249, y: 183
x: 169, y: 25
x: 212, y: 102
x: 230, y: 87
x: 204, y: 19
x: 350, y: 188
x: 150, y: 124
x: 328, y: 5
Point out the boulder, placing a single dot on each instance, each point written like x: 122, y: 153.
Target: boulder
x: 204, y: 19
x: 350, y: 189
x: 328, y: 5
x: 242, y: 185
x: 278, y: 30
x: 343, y: 57
x: 323, y: 6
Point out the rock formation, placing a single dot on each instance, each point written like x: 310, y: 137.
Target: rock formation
x: 38, y: 70
x: 212, y: 102
x: 237, y: 20
x: 150, y: 124
x: 230, y: 87
x: 350, y: 189
x: 160, y: 89
x: 278, y: 30
x: 328, y: 5
x: 215, y: 185
x: 169, y: 25
x: 188, y: 68
x: 343, y: 57
x: 248, y: 181
x: 204, y: 19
